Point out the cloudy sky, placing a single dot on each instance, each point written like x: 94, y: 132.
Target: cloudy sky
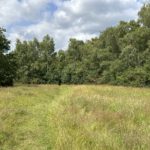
x: 63, y: 19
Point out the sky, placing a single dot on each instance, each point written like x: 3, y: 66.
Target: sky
x: 63, y: 19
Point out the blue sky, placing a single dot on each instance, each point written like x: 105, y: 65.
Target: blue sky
x: 63, y: 19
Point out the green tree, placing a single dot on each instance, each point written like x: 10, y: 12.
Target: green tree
x: 7, y: 70
x: 120, y: 55
x: 35, y: 60
x: 144, y: 15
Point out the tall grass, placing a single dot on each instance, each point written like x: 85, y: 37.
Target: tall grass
x: 74, y: 118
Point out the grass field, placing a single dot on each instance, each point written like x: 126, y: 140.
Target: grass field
x: 74, y: 118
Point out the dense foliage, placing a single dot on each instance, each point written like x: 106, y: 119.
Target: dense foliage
x: 34, y: 60
x: 120, y: 56
x: 7, y: 63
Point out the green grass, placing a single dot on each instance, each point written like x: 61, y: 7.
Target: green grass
x: 88, y: 117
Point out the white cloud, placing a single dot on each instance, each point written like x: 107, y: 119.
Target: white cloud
x: 81, y: 19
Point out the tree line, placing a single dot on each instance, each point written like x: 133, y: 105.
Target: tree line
x: 119, y: 56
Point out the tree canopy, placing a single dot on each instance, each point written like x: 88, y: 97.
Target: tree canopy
x: 7, y: 63
x: 119, y: 56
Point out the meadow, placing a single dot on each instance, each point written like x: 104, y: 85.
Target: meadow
x: 81, y: 117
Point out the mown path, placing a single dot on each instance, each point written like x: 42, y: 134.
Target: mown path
x: 25, y: 117
x: 65, y: 117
